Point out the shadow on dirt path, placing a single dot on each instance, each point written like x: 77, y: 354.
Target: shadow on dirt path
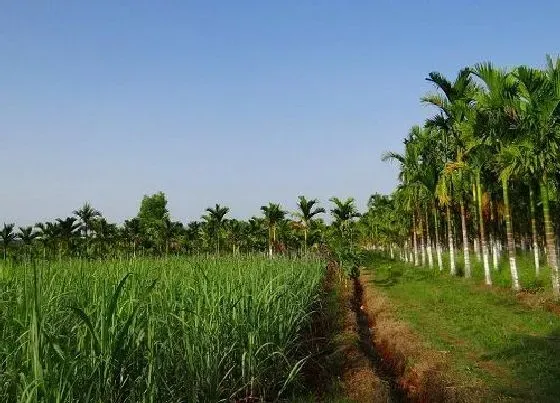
x: 393, y: 392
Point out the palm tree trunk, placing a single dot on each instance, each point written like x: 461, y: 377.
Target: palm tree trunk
x: 438, y: 245
x: 305, y: 240
x: 493, y: 241
x: 467, y: 260
x: 422, y: 242
x: 476, y: 241
x: 550, y: 238
x: 510, y: 240
x: 428, y: 241
x: 534, y: 230
x: 483, y: 244
x: 218, y: 240
x: 270, y: 240
x: 415, y: 240
x: 451, y: 241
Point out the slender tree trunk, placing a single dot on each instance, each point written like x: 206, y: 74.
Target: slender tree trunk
x: 483, y: 244
x: 422, y: 243
x: 534, y: 230
x: 305, y: 240
x: 467, y: 259
x: 218, y: 241
x: 510, y: 240
x: 270, y: 240
x: 476, y: 240
x: 493, y: 241
x: 451, y: 242
x: 438, y: 244
x: 428, y: 241
x: 550, y: 238
x: 406, y: 251
x: 415, y: 240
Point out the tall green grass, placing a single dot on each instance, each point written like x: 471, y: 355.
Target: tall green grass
x: 179, y: 329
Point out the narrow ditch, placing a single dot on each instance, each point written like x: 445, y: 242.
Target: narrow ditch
x: 381, y: 368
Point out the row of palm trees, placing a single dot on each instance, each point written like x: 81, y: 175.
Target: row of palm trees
x: 488, y: 162
x: 88, y: 234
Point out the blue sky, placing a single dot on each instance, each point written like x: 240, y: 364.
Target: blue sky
x: 235, y: 102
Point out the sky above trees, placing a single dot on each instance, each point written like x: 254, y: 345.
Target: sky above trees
x: 227, y: 102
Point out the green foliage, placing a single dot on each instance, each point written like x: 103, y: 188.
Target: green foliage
x: 153, y: 212
x: 176, y: 329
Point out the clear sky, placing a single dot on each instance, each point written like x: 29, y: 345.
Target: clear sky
x: 235, y: 102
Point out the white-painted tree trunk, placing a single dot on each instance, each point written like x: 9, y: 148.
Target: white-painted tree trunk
x: 430, y: 255
x: 439, y: 256
x: 476, y: 247
x: 453, y: 269
x: 422, y: 244
x: 467, y: 259
x: 486, y: 263
x: 415, y: 245
x: 514, y: 273
x: 495, y: 259
x: 536, y: 254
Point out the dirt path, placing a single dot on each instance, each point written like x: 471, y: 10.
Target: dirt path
x: 385, y: 388
x: 349, y: 367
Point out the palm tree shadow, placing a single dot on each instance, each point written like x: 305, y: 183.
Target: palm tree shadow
x: 536, y: 365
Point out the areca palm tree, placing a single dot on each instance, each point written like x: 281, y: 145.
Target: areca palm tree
x: 48, y: 235
x: 305, y: 214
x: 539, y: 112
x: 273, y: 214
x: 215, y: 218
x: 27, y: 235
x: 407, y: 192
x: 496, y: 102
x: 344, y: 212
x: 86, y: 215
x: 67, y: 230
x: 7, y: 235
x: 453, y: 100
x: 132, y: 232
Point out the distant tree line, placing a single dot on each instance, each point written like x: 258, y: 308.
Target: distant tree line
x: 87, y: 234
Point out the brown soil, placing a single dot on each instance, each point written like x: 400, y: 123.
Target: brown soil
x: 345, y: 369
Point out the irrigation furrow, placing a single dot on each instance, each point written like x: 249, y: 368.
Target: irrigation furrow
x: 393, y: 393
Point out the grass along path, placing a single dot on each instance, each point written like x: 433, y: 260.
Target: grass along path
x: 491, y: 339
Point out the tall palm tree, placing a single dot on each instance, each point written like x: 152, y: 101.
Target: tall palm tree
x: 8, y: 236
x: 453, y: 100
x: 273, y: 214
x: 215, y: 218
x: 68, y: 229
x: 539, y: 113
x: 497, y: 103
x: 306, y: 212
x: 132, y: 232
x: 344, y: 212
x: 86, y: 214
x: 48, y: 235
x: 27, y: 235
